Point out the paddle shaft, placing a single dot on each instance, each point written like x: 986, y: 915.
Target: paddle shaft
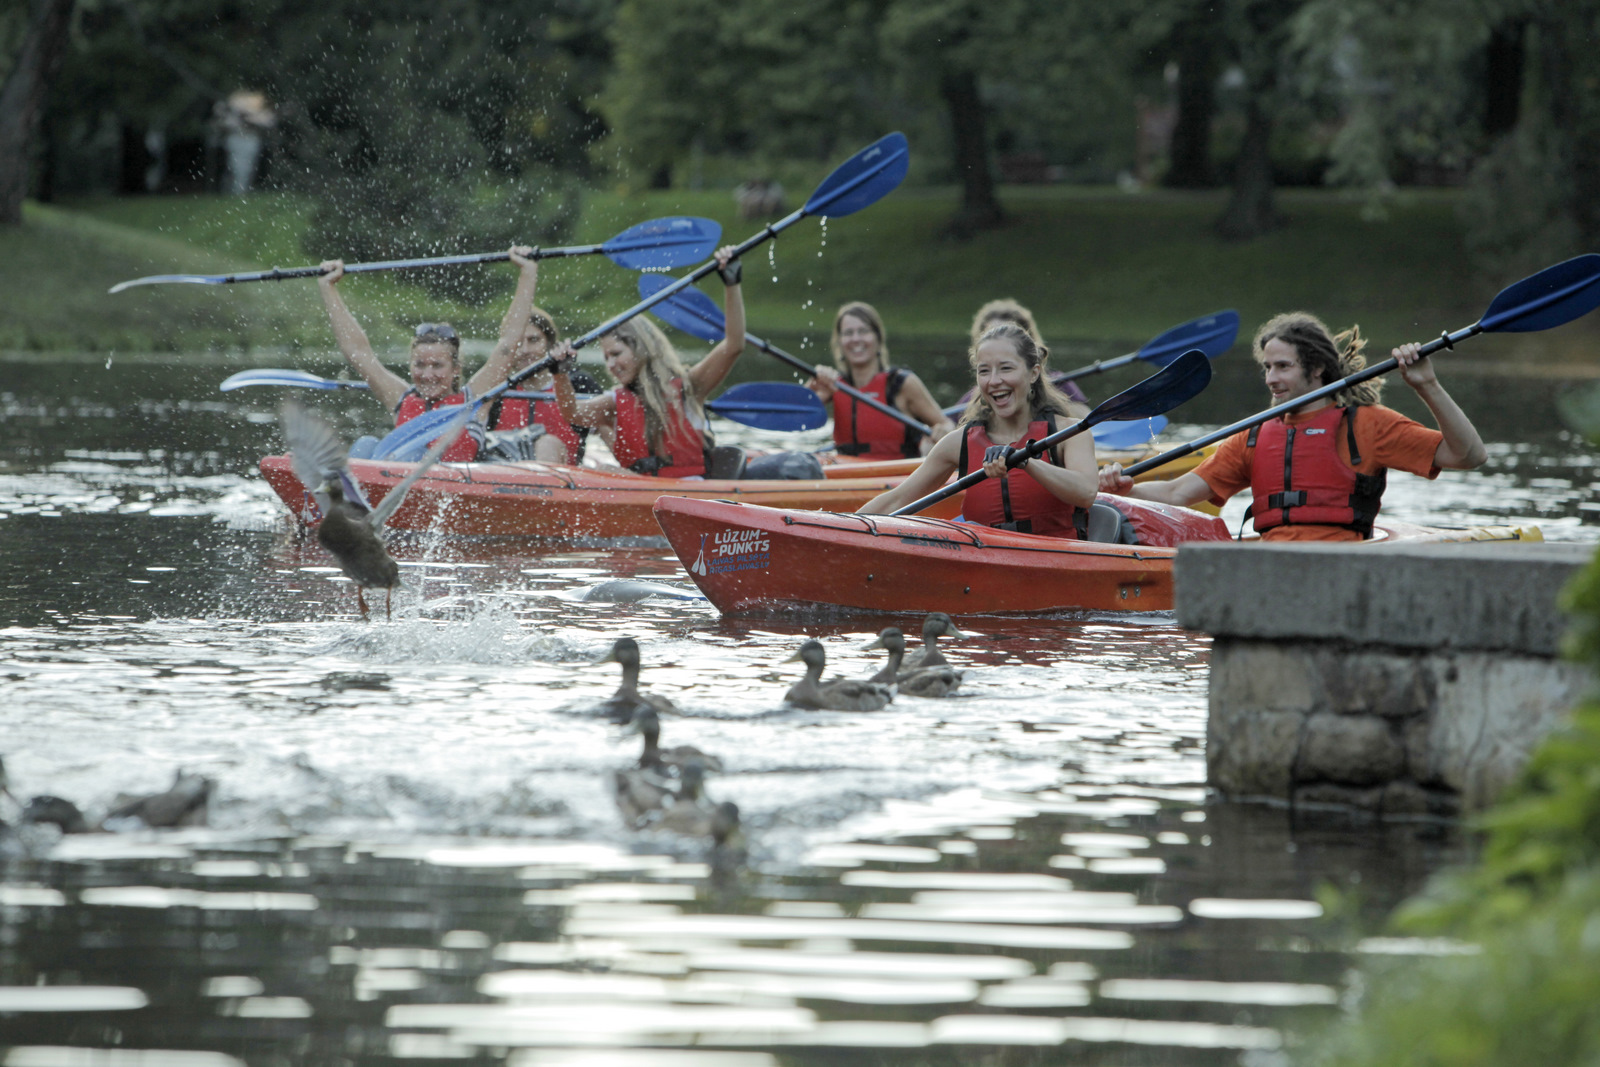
x: 277, y: 274
x: 848, y: 390
x: 1016, y: 459
x: 1447, y: 340
x: 1095, y: 368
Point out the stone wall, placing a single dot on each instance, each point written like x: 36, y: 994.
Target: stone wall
x: 1407, y: 679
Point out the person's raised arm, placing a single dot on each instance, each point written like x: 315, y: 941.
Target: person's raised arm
x: 512, y: 327
x: 1462, y: 448
x: 936, y: 468
x: 916, y: 401
x: 706, y: 375
x: 597, y: 411
x: 387, y: 386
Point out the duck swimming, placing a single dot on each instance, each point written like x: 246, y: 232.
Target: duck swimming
x: 648, y: 802
x: 628, y: 701
x: 184, y: 804
x: 654, y: 757
x: 935, y: 626
x: 840, y: 694
x: 350, y: 527
x: 922, y: 682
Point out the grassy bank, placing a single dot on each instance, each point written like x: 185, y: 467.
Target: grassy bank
x: 1102, y: 270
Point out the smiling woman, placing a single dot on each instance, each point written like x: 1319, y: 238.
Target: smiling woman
x: 1013, y: 404
x: 435, y: 355
x: 861, y: 359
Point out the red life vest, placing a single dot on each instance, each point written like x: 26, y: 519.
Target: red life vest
x: 862, y: 430
x: 683, y: 445
x: 515, y: 412
x: 465, y: 448
x: 1297, y: 477
x: 1015, y: 501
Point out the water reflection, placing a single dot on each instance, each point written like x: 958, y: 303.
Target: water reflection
x: 413, y: 853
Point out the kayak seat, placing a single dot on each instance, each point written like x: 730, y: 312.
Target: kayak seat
x: 725, y: 461
x: 1109, y: 526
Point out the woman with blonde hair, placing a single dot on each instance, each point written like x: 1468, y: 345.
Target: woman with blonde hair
x: 1013, y: 403
x: 861, y: 358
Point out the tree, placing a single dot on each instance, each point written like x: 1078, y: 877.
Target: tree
x: 22, y: 99
x: 1259, y: 31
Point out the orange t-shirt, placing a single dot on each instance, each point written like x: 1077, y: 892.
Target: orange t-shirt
x: 1384, y: 437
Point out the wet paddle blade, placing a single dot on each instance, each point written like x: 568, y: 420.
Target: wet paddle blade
x: 771, y: 406
x: 293, y: 379
x: 1212, y: 334
x: 1183, y: 379
x: 689, y: 310
x: 863, y: 179
x: 676, y: 241
x: 409, y: 440
x: 1554, y: 296
x: 1120, y: 435
x: 170, y: 279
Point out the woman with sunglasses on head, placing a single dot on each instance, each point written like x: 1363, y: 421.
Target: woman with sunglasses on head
x: 861, y: 357
x: 435, y: 355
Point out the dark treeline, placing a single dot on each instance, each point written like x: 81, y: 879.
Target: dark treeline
x: 440, y: 125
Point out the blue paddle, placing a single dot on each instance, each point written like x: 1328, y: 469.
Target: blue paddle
x: 654, y: 245
x: 1212, y: 334
x: 693, y: 312
x: 1553, y: 297
x: 863, y: 179
x: 1122, y: 435
x: 294, y: 379
x: 1181, y: 380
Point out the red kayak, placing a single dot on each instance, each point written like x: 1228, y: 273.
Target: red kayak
x: 748, y: 559
x: 757, y: 558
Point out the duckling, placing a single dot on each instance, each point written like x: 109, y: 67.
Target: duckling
x: 923, y: 682
x: 649, y: 802
x: 350, y: 527
x: 628, y: 701
x: 840, y: 694
x: 935, y: 626
x: 185, y: 804
x: 654, y: 757
x: 59, y: 812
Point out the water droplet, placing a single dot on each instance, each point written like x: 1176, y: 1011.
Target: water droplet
x: 772, y: 259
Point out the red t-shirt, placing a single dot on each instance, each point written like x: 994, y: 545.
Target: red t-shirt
x: 1384, y: 437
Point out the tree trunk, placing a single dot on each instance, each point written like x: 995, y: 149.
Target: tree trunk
x: 1189, y: 158
x: 1502, y: 77
x: 980, y: 207
x: 22, y: 99
x: 1250, y: 211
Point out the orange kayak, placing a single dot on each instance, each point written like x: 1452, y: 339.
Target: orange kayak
x: 836, y: 466
x: 550, y: 500
x: 753, y: 559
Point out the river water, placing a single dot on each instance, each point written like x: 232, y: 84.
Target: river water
x: 412, y: 852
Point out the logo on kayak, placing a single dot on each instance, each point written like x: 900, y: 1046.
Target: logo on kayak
x: 733, y: 550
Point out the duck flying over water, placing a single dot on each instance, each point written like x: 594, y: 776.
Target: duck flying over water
x: 935, y: 626
x: 840, y: 694
x: 628, y: 702
x: 350, y: 528
x: 676, y: 758
x: 922, y: 682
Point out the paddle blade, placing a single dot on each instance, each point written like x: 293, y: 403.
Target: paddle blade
x: 1212, y: 334
x: 1181, y: 380
x: 661, y: 243
x: 1554, y: 296
x: 169, y: 279
x: 1121, y: 435
x: 294, y: 379
x: 771, y: 406
x: 688, y: 310
x: 863, y: 179
x: 409, y: 441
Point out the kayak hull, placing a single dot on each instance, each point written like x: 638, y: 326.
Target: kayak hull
x: 757, y: 560
x: 550, y: 500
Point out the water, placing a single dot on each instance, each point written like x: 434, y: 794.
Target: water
x: 413, y: 855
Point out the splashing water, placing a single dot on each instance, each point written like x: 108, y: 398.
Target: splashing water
x: 824, y: 221
x: 772, y: 259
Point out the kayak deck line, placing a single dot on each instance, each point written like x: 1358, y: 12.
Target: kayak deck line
x: 1066, y: 547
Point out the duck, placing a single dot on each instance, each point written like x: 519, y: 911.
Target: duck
x: 59, y: 812
x: 628, y: 701
x: 840, y: 694
x: 935, y: 626
x: 649, y: 802
x: 654, y: 757
x: 350, y: 528
x: 186, y: 803
x: 922, y: 682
